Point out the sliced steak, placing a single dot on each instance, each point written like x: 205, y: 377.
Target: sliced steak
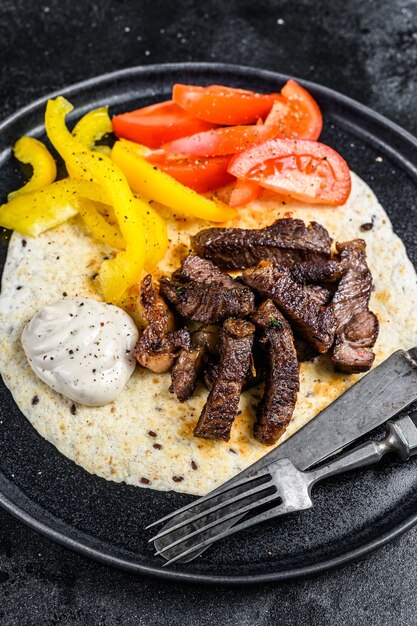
x: 356, y: 326
x: 202, y: 293
x: 254, y: 376
x: 185, y: 372
x: 222, y: 403
x: 158, y: 345
x: 317, y: 272
x: 285, y: 242
x: 282, y: 381
x: 190, y: 363
x: 314, y: 322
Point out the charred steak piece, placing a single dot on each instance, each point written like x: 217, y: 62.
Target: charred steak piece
x: 220, y: 410
x: 190, y: 363
x: 254, y: 376
x: 285, y: 242
x: 314, y: 322
x: 185, y: 372
x: 282, y: 381
x: 317, y: 272
x: 202, y: 293
x: 356, y: 326
x: 158, y: 345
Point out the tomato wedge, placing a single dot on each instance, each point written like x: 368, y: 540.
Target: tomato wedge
x: 304, y: 170
x: 220, y: 141
x: 157, y: 124
x: 202, y: 175
x: 223, y: 105
x: 297, y: 115
x: 243, y: 192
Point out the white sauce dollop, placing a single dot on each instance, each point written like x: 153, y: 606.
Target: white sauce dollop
x: 82, y: 349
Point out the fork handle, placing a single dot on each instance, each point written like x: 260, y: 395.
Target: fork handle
x: 366, y: 454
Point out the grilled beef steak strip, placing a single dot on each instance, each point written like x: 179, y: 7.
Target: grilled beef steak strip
x: 158, y: 345
x: 185, y: 372
x: 315, y: 323
x: 285, y: 242
x: 282, y: 381
x: 254, y: 376
x: 210, y: 297
x: 195, y: 268
x: 220, y: 410
x: 190, y: 363
x: 317, y: 272
x: 356, y: 326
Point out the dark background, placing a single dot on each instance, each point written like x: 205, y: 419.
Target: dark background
x: 365, y: 49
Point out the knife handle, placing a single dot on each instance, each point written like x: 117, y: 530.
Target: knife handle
x: 401, y: 439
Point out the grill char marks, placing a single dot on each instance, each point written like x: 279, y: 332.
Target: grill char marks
x: 356, y: 326
x: 220, y: 410
x: 317, y: 272
x: 202, y: 293
x: 282, y: 375
x: 158, y: 345
x: 314, y: 322
x: 286, y: 242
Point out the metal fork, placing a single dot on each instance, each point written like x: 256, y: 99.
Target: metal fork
x: 278, y: 489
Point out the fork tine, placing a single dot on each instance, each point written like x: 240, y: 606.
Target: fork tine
x: 212, y: 509
x: 228, y: 516
x: 279, y: 510
x: 220, y: 490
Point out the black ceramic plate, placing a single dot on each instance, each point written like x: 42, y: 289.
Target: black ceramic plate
x: 352, y: 514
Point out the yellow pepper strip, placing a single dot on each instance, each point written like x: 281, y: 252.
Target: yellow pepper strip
x: 118, y: 274
x: 92, y: 127
x: 33, y: 212
x: 98, y: 226
x: 32, y: 151
x: 85, y: 188
x: 60, y: 137
x: 156, y: 234
x: 154, y: 184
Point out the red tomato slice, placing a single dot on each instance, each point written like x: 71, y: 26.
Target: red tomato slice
x: 223, y: 105
x: 202, y: 175
x: 244, y: 192
x: 157, y: 124
x: 298, y: 115
x: 220, y: 141
x: 305, y: 170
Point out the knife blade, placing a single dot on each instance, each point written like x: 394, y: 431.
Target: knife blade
x: 378, y: 396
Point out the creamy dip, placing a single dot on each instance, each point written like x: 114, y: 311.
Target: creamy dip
x: 82, y: 349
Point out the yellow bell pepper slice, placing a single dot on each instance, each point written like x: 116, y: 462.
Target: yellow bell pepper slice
x: 156, y: 234
x: 92, y: 127
x: 118, y: 274
x: 34, y: 212
x: 99, y: 227
x: 151, y: 182
x: 60, y: 137
x: 31, y: 151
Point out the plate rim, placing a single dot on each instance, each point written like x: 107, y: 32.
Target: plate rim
x: 82, y: 547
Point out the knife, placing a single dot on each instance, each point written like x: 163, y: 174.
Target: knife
x: 374, y: 399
